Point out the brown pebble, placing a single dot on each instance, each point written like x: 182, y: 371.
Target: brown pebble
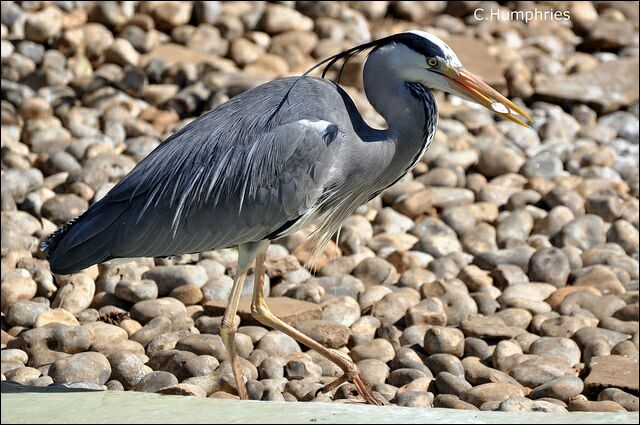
x: 439, y: 339
x: 594, y: 406
x: 495, y: 392
x: 626, y: 400
x: 450, y: 401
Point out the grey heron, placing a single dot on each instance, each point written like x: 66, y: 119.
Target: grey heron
x: 261, y: 165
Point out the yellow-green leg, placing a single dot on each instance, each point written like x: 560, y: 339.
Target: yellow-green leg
x: 261, y: 312
x: 246, y: 254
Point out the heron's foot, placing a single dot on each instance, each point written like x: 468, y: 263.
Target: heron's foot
x: 241, y: 387
x: 242, y: 390
x: 238, y: 375
x: 361, y: 386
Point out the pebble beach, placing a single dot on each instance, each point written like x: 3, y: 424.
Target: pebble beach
x: 501, y: 274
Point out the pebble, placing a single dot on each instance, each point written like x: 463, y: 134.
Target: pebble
x: 136, y: 290
x: 538, y: 371
x: 329, y: 334
x: 515, y: 226
x: 498, y: 160
x: 374, y: 371
x: 16, y: 288
x: 584, y: 232
x: 184, y: 389
x: 156, y: 381
x: 376, y: 271
x: 393, y: 306
x: 76, y: 294
x: 529, y: 291
x: 415, y: 399
x: 146, y: 310
x: 436, y: 238
x: 41, y: 26
x: 275, y: 343
x: 128, y: 369
x: 93, y: 368
x: 343, y: 310
x: 600, y: 278
x: 167, y: 278
x: 448, y: 383
x: 63, y: 208
x: 217, y: 288
x: 429, y: 311
x: 254, y: 332
x: 559, y: 295
x: 206, y: 344
x: 626, y: 400
x: 450, y: 401
x: 56, y: 315
x: 521, y: 404
x: 155, y: 327
x: 476, y: 373
x: 379, y: 349
x: 25, y: 313
x: 476, y: 347
x: 14, y: 355
x: 402, y: 377
x: 277, y: 19
x: 364, y: 329
x: 171, y: 14
x: 72, y: 339
x: 563, y: 388
x: 561, y: 347
x: 543, y: 165
x: 482, y: 238
x: 105, y: 335
x: 458, y: 304
x: 23, y: 375
x: 494, y: 392
x: 329, y: 287
x: 594, y: 406
x: 440, y: 339
x: 475, y: 278
x: 550, y: 265
x: 184, y: 364
x: 489, y: 327
x: 625, y: 234
x: 271, y: 367
x: 442, y: 362
x: 189, y: 294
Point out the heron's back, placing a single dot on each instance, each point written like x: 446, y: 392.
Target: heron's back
x: 242, y: 172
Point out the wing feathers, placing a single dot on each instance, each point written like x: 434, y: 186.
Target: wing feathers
x: 227, y: 178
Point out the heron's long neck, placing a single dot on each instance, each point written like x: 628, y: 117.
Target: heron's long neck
x: 409, y: 109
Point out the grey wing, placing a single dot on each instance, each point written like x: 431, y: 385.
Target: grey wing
x: 190, y: 197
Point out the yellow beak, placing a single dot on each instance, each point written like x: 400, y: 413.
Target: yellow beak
x: 473, y: 88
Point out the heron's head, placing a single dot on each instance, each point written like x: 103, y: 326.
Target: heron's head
x: 420, y: 57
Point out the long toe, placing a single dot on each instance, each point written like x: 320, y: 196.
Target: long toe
x: 365, y: 391
x: 361, y: 386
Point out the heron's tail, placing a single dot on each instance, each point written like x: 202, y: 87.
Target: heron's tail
x: 82, y: 241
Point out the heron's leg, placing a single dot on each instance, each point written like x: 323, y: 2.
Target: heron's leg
x: 246, y: 254
x: 261, y: 312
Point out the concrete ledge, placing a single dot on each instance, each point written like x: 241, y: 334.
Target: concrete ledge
x: 57, y: 405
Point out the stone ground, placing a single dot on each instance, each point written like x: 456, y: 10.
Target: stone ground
x: 501, y: 275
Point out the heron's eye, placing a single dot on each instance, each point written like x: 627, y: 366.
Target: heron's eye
x: 432, y: 62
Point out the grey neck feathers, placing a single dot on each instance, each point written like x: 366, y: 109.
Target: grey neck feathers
x: 409, y: 109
